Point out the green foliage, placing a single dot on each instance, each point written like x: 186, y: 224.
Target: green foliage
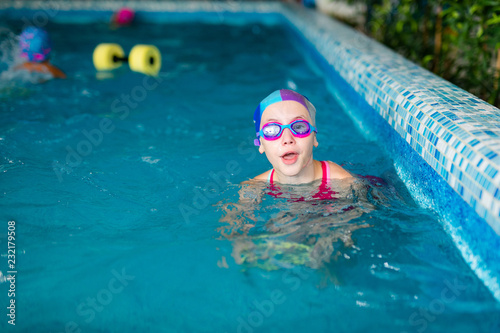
x: 457, y: 40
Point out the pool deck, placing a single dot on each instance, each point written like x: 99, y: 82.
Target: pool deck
x: 455, y: 133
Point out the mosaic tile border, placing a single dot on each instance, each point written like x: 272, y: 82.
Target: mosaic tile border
x: 146, y: 5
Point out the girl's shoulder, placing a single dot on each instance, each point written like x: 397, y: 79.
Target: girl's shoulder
x: 263, y: 176
x: 337, y: 172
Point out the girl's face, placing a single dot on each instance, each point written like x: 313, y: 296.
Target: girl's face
x: 288, y: 154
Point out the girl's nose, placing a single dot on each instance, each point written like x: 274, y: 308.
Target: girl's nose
x: 287, y: 138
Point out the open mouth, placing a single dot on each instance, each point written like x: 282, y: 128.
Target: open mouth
x: 289, y: 157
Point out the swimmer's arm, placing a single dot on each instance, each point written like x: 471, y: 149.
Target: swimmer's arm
x: 358, y: 187
x: 240, y: 217
x: 43, y: 67
x: 249, y: 192
x: 56, y: 72
x: 250, y: 197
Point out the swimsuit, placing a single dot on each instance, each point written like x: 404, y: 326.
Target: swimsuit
x: 324, y: 191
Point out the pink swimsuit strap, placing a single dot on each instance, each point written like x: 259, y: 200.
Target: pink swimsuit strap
x: 324, y: 191
x: 324, y: 178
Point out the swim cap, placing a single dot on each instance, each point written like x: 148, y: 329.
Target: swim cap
x: 124, y: 16
x: 279, y: 96
x: 35, y: 44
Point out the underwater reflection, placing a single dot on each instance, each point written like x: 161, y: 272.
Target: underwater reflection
x: 273, y: 228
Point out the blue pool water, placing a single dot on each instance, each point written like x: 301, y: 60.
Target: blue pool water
x: 124, y: 192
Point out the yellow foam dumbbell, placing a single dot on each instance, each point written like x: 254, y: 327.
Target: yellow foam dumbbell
x: 108, y: 56
x: 143, y: 58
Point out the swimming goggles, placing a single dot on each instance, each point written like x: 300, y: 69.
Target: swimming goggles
x: 300, y: 128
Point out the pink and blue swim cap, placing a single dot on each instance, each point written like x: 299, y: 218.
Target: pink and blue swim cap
x: 279, y: 96
x: 35, y: 44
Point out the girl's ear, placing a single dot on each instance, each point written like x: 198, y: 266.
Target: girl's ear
x: 261, y: 148
x: 315, y: 143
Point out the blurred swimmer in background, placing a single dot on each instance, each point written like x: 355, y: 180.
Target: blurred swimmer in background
x: 123, y: 17
x: 35, y: 48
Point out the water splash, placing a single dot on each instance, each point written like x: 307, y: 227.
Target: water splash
x: 9, y: 48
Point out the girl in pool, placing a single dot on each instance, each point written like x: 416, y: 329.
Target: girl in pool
x: 286, y: 133
x: 35, y: 48
x: 299, y: 230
